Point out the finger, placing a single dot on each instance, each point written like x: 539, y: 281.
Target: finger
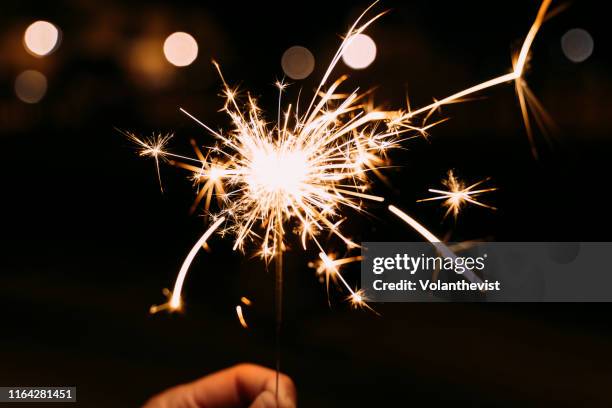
x: 266, y: 399
x: 235, y: 386
x: 240, y: 385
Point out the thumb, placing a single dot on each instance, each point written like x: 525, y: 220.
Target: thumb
x: 264, y: 400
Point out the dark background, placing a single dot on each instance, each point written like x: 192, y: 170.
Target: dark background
x: 88, y: 240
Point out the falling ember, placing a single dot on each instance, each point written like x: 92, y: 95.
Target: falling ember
x: 299, y: 173
x: 241, y: 319
x: 458, y: 195
x: 247, y: 302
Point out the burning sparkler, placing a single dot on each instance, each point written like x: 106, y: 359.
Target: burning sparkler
x: 299, y: 173
x: 458, y: 194
x: 301, y: 170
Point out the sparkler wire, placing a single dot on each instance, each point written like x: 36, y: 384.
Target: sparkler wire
x: 278, y: 260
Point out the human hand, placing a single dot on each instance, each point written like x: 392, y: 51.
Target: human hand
x: 243, y: 385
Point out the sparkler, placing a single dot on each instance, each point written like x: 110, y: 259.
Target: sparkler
x: 299, y: 173
x: 308, y: 165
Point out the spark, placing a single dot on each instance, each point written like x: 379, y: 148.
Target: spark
x: 153, y: 146
x: 327, y: 266
x: 358, y: 299
x: 247, y: 302
x: 208, y: 178
x: 300, y: 173
x: 519, y: 63
x: 458, y: 194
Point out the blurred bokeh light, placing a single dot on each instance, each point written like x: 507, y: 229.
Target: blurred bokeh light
x: 360, y: 52
x: 41, y: 38
x: 577, y: 45
x: 31, y: 86
x: 180, y: 49
x: 297, y: 62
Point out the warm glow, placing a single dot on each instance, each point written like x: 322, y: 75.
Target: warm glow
x: 148, y: 66
x: 180, y: 49
x: 360, y: 51
x: 31, y: 86
x: 41, y: 38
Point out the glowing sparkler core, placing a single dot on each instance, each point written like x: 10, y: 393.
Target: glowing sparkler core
x: 277, y: 173
x: 301, y: 169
